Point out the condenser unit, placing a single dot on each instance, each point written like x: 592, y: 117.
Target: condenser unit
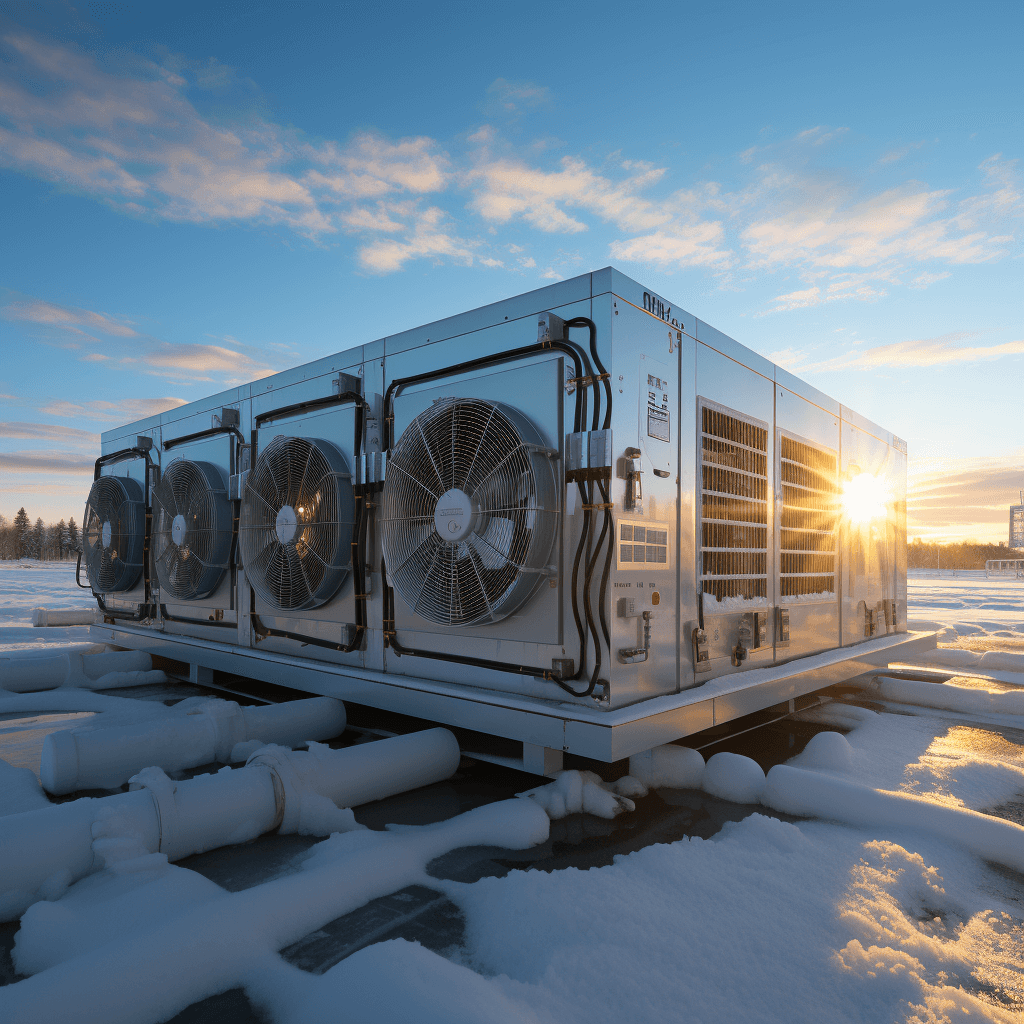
x: 580, y: 518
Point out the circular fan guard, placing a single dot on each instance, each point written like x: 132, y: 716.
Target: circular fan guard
x: 469, y: 512
x: 191, y: 529
x: 295, y: 530
x: 114, y: 535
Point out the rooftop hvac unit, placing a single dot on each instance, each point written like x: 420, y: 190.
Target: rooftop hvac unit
x: 469, y: 512
x: 295, y: 529
x: 114, y: 534
x: 575, y: 519
x: 191, y: 530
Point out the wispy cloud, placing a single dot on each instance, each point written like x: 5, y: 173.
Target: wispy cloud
x: 428, y: 237
x: 136, y: 141
x: 49, y: 432
x: 46, y: 462
x: 946, y: 350
x: 70, y: 318
x: 97, y: 337
x: 509, y: 97
x: 947, y: 496
x: 124, y: 411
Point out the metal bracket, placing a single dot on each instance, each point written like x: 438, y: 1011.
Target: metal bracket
x: 347, y: 382
x: 781, y: 627
x: 638, y: 655
x: 701, y: 655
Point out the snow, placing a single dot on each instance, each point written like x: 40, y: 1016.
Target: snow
x: 669, y: 766
x: 734, y: 777
x: 880, y: 902
x: 230, y: 939
x: 573, y: 792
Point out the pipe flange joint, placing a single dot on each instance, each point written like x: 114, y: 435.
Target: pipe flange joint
x: 162, y: 789
x: 288, y: 784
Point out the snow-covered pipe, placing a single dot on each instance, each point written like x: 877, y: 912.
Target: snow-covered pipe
x: 64, y: 616
x: 105, y: 758
x: 44, y: 851
x: 26, y: 673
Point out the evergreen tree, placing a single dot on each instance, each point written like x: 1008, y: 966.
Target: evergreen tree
x: 63, y: 540
x: 73, y: 534
x: 37, y: 541
x: 22, y: 532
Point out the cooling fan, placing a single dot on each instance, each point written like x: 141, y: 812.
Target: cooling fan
x: 469, y: 513
x: 295, y: 531
x: 191, y: 530
x: 115, y: 534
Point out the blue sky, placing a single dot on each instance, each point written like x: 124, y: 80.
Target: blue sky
x: 199, y: 194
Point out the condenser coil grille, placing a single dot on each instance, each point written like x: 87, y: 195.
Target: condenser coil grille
x: 469, y: 513
x: 734, y: 506
x: 809, y: 505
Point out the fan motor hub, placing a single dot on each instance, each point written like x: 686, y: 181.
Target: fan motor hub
x: 287, y: 524
x: 178, y: 529
x: 454, y: 517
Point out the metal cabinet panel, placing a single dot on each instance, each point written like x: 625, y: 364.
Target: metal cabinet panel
x: 807, y: 576
x: 735, y: 514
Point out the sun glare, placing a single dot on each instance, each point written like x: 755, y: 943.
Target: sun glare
x: 864, y: 498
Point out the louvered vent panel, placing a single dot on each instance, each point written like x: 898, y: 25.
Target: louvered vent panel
x: 809, y: 506
x: 734, y: 506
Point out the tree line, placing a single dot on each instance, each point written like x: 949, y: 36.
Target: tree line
x: 964, y: 555
x: 21, y: 538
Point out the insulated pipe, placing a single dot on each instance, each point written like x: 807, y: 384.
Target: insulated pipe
x: 44, y: 851
x: 78, y: 759
x: 23, y: 674
x: 64, y: 616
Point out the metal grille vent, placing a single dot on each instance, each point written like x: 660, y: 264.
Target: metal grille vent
x: 469, y: 512
x: 734, y: 506
x: 115, y: 534
x: 295, y: 529
x: 191, y: 529
x: 810, y: 495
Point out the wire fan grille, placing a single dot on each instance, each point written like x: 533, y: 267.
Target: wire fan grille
x: 734, y: 506
x: 810, y: 496
x: 295, y: 530
x: 469, y: 513
x: 191, y: 529
x: 115, y: 534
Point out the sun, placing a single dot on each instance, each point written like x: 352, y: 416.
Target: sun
x: 864, y: 498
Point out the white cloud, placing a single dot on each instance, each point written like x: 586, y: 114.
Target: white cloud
x: 505, y: 188
x: 942, y: 351
x: 427, y: 238
x: 683, y: 246
x: 139, y: 144
x: 511, y: 97
x: 49, y: 432
x: 69, y: 318
x: 46, y: 462
x: 125, y: 411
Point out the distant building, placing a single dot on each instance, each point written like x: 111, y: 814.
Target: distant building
x: 1017, y: 524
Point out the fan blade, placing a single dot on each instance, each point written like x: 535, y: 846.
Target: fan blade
x: 434, y: 494
x: 473, y: 557
x: 483, y: 434
x: 430, y: 455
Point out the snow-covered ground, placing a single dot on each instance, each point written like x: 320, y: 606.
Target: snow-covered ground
x: 29, y: 584
x: 880, y: 895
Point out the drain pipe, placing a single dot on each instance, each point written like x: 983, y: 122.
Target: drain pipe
x: 207, y: 731
x: 27, y: 673
x: 44, y: 851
